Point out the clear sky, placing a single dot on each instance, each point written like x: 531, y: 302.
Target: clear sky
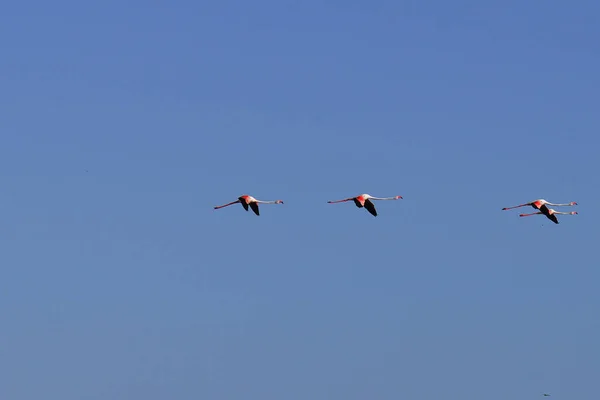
x: 124, y: 123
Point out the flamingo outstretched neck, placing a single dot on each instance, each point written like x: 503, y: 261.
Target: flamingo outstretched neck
x: 270, y: 202
x: 385, y: 198
x: 573, y: 203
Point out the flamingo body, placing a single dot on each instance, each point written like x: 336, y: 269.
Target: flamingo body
x: 538, y: 203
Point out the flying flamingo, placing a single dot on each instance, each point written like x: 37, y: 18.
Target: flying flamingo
x: 539, y: 204
x: 551, y: 214
x: 364, y: 200
x: 247, y: 200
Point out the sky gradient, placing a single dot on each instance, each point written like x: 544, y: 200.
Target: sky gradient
x: 124, y: 123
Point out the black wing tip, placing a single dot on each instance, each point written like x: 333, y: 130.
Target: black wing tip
x: 370, y: 207
x: 254, y: 207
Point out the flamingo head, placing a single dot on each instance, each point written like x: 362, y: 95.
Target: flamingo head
x: 574, y: 213
x: 278, y: 201
x: 573, y: 203
x: 398, y: 197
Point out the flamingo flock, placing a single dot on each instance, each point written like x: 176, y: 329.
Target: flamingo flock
x: 362, y: 200
x: 542, y: 206
x: 366, y: 201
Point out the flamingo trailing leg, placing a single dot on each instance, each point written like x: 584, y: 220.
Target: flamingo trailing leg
x: 364, y: 200
x: 249, y: 201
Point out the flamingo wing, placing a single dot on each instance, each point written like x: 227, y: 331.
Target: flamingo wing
x: 254, y: 207
x: 244, y: 204
x: 546, y: 211
x: 370, y: 207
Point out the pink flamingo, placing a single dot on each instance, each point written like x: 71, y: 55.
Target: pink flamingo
x: 539, y: 203
x: 551, y: 214
x: 247, y: 200
x: 364, y: 200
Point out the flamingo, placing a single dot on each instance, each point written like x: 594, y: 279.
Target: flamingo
x: 247, y: 200
x: 540, y: 203
x: 551, y: 214
x: 364, y: 200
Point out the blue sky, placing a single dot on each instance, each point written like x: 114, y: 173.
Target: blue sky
x: 124, y: 123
